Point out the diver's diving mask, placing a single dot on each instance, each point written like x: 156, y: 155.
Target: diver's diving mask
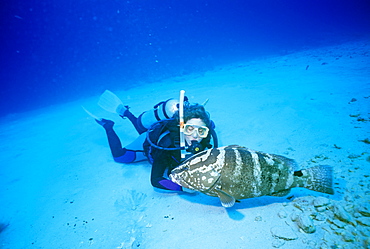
x: 202, y: 131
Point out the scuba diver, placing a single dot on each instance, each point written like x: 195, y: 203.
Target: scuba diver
x: 168, y: 134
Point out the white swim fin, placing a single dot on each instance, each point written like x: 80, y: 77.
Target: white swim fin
x: 91, y: 115
x: 111, y: 103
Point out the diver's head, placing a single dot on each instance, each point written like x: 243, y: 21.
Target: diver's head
x: 195, y: 130
x: 194, y: 111
x: 197, y: 123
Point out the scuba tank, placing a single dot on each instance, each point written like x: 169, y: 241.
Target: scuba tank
x: 161, y: 111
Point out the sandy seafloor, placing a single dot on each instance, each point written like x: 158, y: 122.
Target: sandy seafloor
x: 60, y: 187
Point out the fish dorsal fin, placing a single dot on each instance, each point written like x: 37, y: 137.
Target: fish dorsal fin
x: 235, y: 146
x: 226, y: 199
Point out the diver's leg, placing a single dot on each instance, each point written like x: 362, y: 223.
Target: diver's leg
x: 133, y: 152
x: 137, y: 147
x: 134, y: 120
x: 113, y: 140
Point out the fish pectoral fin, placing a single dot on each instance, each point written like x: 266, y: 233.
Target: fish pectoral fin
x: 226, y: 199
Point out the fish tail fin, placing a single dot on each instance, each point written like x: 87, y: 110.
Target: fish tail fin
x: 318, y: 178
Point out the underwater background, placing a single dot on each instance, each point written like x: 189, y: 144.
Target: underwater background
x: 290, y: 78
x: 58, y: 51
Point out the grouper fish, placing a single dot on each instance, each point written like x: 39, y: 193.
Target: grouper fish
x: 235, y: 172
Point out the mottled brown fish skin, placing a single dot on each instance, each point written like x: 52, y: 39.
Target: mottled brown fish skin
x: 245, y: 173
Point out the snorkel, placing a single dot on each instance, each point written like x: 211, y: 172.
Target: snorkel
x: 181, y: 118
x: 195, y: 146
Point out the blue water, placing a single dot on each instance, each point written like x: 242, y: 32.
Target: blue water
x: 57, y: 51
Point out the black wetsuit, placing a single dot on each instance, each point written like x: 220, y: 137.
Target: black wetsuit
x: 163, y: 161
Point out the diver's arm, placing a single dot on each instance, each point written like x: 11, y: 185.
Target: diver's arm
x: 157, y: 179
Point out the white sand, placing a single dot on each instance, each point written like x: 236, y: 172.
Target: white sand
x: 62, y: 189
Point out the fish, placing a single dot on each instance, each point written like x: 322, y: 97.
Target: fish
x: 235, y: 172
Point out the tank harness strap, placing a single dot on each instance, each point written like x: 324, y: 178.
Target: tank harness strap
x: 164, y: 110
x: 162, y: 136
x: 155, y: 107
x: 156, y: 114
x: 156, y: 110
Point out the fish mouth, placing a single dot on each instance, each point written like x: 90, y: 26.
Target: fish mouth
x: 174, y: 179
x: 180, y: 181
